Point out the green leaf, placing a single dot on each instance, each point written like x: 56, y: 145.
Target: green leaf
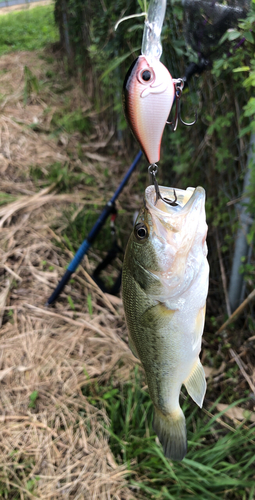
x: 116, y: 62
x: 250, y: 107
x: 233, y: 34
x: 249, y: 37
x: 70, y: 301
x: 110, y: 394
x: 89, y: 302
x: 241, y: 68
x: 86, y: 373
x: 33, y: 397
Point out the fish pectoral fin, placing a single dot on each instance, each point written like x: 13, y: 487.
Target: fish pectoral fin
x: 196, y: 384
x: 132, y: 347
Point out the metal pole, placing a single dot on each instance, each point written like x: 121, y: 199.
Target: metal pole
x: 241, y: 245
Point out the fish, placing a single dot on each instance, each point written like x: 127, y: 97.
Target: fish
x: 164, y: 288
x: 148, y: 94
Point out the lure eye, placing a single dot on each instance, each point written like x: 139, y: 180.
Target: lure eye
x: 145, y: 76
x: 141, y: 231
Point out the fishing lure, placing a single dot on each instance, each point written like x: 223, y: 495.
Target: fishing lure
x: 148, y: 90
x: 148, y: 97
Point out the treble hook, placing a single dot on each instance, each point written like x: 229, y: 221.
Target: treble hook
x: 152, y: 169
x: 179, y: 84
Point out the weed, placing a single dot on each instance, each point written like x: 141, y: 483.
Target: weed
x: 89, y: 302
x: 27, y: 30
x: 31, y: 84
x: 68, y: 243
x: 61, y: 175
x: 32, y: 483
x: 73, y: 121
x: 33, y: 397
x: 50, y: 74
x: 6, y: 198
x: 70, y: 302
x: 219, y: 463
x: 77, y: 229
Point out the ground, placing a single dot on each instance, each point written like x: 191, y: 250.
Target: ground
x: 63, y: 368
x: 49, y: 353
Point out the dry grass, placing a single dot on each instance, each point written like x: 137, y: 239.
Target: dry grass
x: 53, y: 442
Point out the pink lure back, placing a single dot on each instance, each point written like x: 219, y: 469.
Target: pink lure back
x: 148, y: 95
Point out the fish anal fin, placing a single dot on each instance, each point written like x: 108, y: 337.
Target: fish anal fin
x: 196, y: 384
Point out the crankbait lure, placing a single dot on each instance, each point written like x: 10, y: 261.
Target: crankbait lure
x: 149, y: 89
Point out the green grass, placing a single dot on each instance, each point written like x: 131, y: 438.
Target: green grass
x: 72, y: 121
x: 219, y: 463
x: 27, y: 30
x: 6, y: 198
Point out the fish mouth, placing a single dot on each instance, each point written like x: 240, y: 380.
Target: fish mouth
x: 163, y: 217
x: 186, y: 200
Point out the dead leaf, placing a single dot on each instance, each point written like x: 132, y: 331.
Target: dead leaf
x: 115, y: 301
x: 208, y: 371
x: 3, y: 298
x: 236, y: 413
x: 5, y: 372
x: 212, y: 372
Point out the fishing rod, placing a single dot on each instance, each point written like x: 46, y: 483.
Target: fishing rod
x: 86, y: 244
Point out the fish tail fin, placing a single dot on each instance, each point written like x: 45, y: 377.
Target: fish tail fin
x: 171, y: 431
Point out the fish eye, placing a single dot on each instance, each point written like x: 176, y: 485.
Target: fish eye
x: 141, y: 231
x: 146, y: 75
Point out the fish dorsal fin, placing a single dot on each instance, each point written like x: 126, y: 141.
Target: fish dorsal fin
x: 196, y: 384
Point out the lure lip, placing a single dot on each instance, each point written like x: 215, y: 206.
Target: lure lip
x: 151, y: 44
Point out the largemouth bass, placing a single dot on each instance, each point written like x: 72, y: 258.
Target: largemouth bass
x: 165, y: 285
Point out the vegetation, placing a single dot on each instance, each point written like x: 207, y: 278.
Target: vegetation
x: 214, y: 152
x: 72, y: 154
x: 220, y: 459
x: 27, y: 30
